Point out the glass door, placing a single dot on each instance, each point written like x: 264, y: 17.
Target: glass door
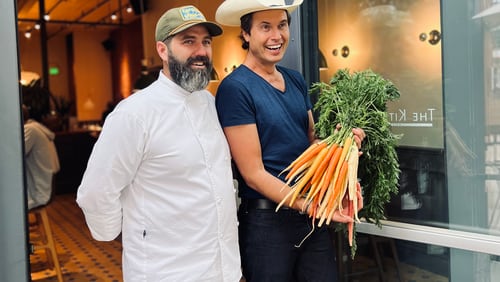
x: 444, y: 57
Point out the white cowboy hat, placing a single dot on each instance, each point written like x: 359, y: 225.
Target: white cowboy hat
x: 230, y: 11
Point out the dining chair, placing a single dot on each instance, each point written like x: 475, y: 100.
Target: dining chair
x: 41, y: 238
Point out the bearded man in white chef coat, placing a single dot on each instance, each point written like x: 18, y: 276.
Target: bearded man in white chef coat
x: 160, y: 172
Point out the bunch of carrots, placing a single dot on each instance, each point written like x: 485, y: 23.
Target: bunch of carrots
x: 326, y: 175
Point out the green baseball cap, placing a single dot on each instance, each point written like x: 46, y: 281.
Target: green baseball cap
x: 178, y: 19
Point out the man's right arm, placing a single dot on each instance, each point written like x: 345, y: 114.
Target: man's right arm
x: 110, y: 169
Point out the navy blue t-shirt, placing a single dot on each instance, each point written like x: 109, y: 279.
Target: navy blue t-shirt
x: 243, y: 97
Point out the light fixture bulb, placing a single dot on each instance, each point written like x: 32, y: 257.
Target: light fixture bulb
x: 422, y: 36
x: 114, y: 17
x: 129, y: 9
x: 27, y: 34
x: 345, y: 51
x: 46, y: 17
x: 434, y: 37
x: 37, y: 26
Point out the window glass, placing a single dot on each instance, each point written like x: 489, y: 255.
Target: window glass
x: 444, y: 57
x: 386, y: 259
x: 400, y: 40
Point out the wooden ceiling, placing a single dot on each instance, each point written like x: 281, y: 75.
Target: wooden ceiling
x: 70, y: 15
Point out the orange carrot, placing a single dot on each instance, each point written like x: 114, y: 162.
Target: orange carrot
x: 323, y: 202
x: 309, y: 173
x: 329, y: 171
x: 343, y: 194
x: 307, y: 155
x: 338, y: 190
x: 346, y: 147
x: 298, y: 172
x: 323, y: 165
x: 307, y: 186
x: 343, y: 159
x: 309, y: 149
x: 312, y: 191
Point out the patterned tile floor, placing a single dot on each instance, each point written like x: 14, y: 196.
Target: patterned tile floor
x: 83, y: 259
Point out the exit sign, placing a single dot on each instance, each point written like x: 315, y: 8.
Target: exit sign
x: 53, y: 70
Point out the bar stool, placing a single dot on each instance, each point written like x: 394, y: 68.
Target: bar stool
x: 45, y: 239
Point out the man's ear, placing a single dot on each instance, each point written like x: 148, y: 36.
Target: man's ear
x: 162, y: 50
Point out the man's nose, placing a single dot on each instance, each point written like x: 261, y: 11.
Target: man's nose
x: 276, y: 34
x: 202, y: 50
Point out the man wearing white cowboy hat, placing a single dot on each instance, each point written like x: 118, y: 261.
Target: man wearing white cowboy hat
x: 265, y: 111
x: 160, y: 172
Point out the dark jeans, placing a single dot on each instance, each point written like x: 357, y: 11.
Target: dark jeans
x: 269, y: 247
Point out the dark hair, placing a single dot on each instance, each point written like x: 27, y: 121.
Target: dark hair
x: 246, y: 25
x: 168, y: 40
x: 37, y: 100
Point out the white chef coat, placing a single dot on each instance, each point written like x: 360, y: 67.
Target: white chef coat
x: 160, y: 173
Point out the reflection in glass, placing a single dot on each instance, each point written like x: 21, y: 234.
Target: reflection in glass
x: 448, y: 113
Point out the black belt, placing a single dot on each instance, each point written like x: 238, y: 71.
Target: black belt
x: 260, y: 204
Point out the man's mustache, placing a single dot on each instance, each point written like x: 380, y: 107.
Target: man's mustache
x: 204, y: 59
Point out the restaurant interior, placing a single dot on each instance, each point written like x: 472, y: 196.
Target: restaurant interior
x: 90, y: 55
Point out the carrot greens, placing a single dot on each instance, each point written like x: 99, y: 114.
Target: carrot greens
x: 360, y: 100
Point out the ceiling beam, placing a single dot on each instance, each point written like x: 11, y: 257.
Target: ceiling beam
x: 26, y: 4
x: 75, y: 22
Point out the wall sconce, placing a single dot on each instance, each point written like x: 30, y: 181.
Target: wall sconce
x: 214, y: 75
x: 345, y: 51
x: 434, y: 37
x: 322, y: 61
x: 230, y: 69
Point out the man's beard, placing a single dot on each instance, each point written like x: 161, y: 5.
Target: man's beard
x: 189, y: 79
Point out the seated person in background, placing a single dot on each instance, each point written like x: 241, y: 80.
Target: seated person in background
x: 144, y: 80
x: 41, y: 160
